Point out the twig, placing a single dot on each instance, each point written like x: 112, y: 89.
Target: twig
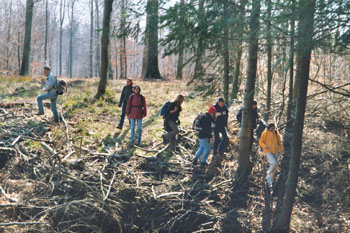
x: 159, y: 152
x: 145, y: 149
x: 7, y: 196
x: 68, y: 155
x: 48, y: 148
x: 66, y: 131
x: 16, y: 140
x: 110, y: 186
x: 169, y: 194
x: 7, y: 149
x: 21, y: 223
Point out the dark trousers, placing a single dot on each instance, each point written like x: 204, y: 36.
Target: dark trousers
x: 220, y: 143
x: 122, y: 117
x: 171, y: 136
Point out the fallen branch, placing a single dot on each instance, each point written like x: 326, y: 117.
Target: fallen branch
x: 16, y: 140
x: 48, y: 148
x: 7, y: 196
x: 110, y: 186
x: 22, y: 223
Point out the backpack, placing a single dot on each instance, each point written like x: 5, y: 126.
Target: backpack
x: 261, y: 127
x: 196, y: 123
x: 165, y: 109
x: 61, y: 87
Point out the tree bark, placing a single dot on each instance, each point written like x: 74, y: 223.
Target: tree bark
x: 240, y: 31
x: 71, y: 32
x: 198, y: 68
x: 91, y: 70
x: 104, y: 46
x: 226, y: 53
x: 27, y: 38
x: 46, y: 29
x: 123, y: 58
x: 269, y: 61
x: 152, y: 68
x: 180, y: 60
x: 62, y: 15
x: 9, y: 25
x: 288, y: 133
x: 244, y: 164
x: 304, y: 48
x: 98, y: 40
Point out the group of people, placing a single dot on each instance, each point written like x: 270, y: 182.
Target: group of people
x: 134, y: 106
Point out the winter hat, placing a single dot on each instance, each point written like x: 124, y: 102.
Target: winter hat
x: 221, y: 99
x: 212, y: 109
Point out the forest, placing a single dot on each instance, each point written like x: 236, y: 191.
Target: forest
x: 77, y: 170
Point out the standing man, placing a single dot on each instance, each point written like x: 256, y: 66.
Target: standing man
x: 270, y: 142
x: 50, y: 88
x: 255, y: 117
x: 220, y: 127
x: 127, y: 91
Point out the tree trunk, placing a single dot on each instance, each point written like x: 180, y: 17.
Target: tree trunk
x: 152, y: 68
x: 123, y: 58
x: 71, y: 31
x: 104, y: 46
x: 244, y: 164
x: 98, y: 40
x: 240, y: 31
x: 91, y: 70
x: 180, y: 60
x: 198, y: 68
x: 27, y: 38
x: 288, y: 133
x: 304, y: 48
x: 9, y: 25
x: 62, y: 14
x: 46, y: 30
x: 269, y: 61
x: 226, y: 53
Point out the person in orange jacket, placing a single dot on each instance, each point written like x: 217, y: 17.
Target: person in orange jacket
x: 270, y: 142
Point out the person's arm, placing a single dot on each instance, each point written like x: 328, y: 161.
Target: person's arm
x: 174, y: 109
x: 50, y: 83
x: 128, y: 106
x: 144, y: 107
x: 262, y: 141
x: 121, y: 97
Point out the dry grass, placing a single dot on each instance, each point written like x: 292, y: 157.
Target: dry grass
x: 81, y: 188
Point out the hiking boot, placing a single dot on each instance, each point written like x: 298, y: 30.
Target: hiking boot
x: 39, y: 113
x: 119, y: 127
x: 203, y: 164
x: 269, y: 181
x: 165, y: 140
x: 194, y: 161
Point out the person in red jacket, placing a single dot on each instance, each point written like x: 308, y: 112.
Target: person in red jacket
x: 136, y: 110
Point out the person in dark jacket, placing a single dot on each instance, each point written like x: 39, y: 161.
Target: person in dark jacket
x: 127, y: 91
x: 136, y: 109
x: 255, y: 118
x: 220, y: 127
x: 172, y: 122
x: 206, y: 123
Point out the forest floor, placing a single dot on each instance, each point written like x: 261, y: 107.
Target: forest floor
x: 82, y: 176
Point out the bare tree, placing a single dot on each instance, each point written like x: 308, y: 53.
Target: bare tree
x: 98, y: 39
x: 105, y: 46
x: 244, y: 164
x: 180, y: 60
x: 269, y: 61
x: 123, y: 57
x: 62, y: 15
x: 91, y: 38
x: 71, y: 34
x: 27, y: 38
x: 304, y: 48
x: 46, y: 28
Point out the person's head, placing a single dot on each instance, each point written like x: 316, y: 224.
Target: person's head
x: 212, y: 111
x: 221, y: 102
x: 137, y: 89
x: 46, y: 70
x: 255, y: 104
x: 129, y: 82
x: 271, y: 127
x: 179, y: 99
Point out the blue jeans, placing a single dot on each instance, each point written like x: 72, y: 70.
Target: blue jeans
x: 139, y: 129
x: 204, y: 147
x: 122, y: 117
x: 220, y: 144
x: 53, y: 99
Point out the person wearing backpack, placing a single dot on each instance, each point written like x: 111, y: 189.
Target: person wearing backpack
x: 206, y: 124
x: 255, y: 118
x: 126, y: 92
x: 270, y: 142
x: 172, y: 121
x: 51, y: 94
x: 220, y: 127
x: 136, y: 109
